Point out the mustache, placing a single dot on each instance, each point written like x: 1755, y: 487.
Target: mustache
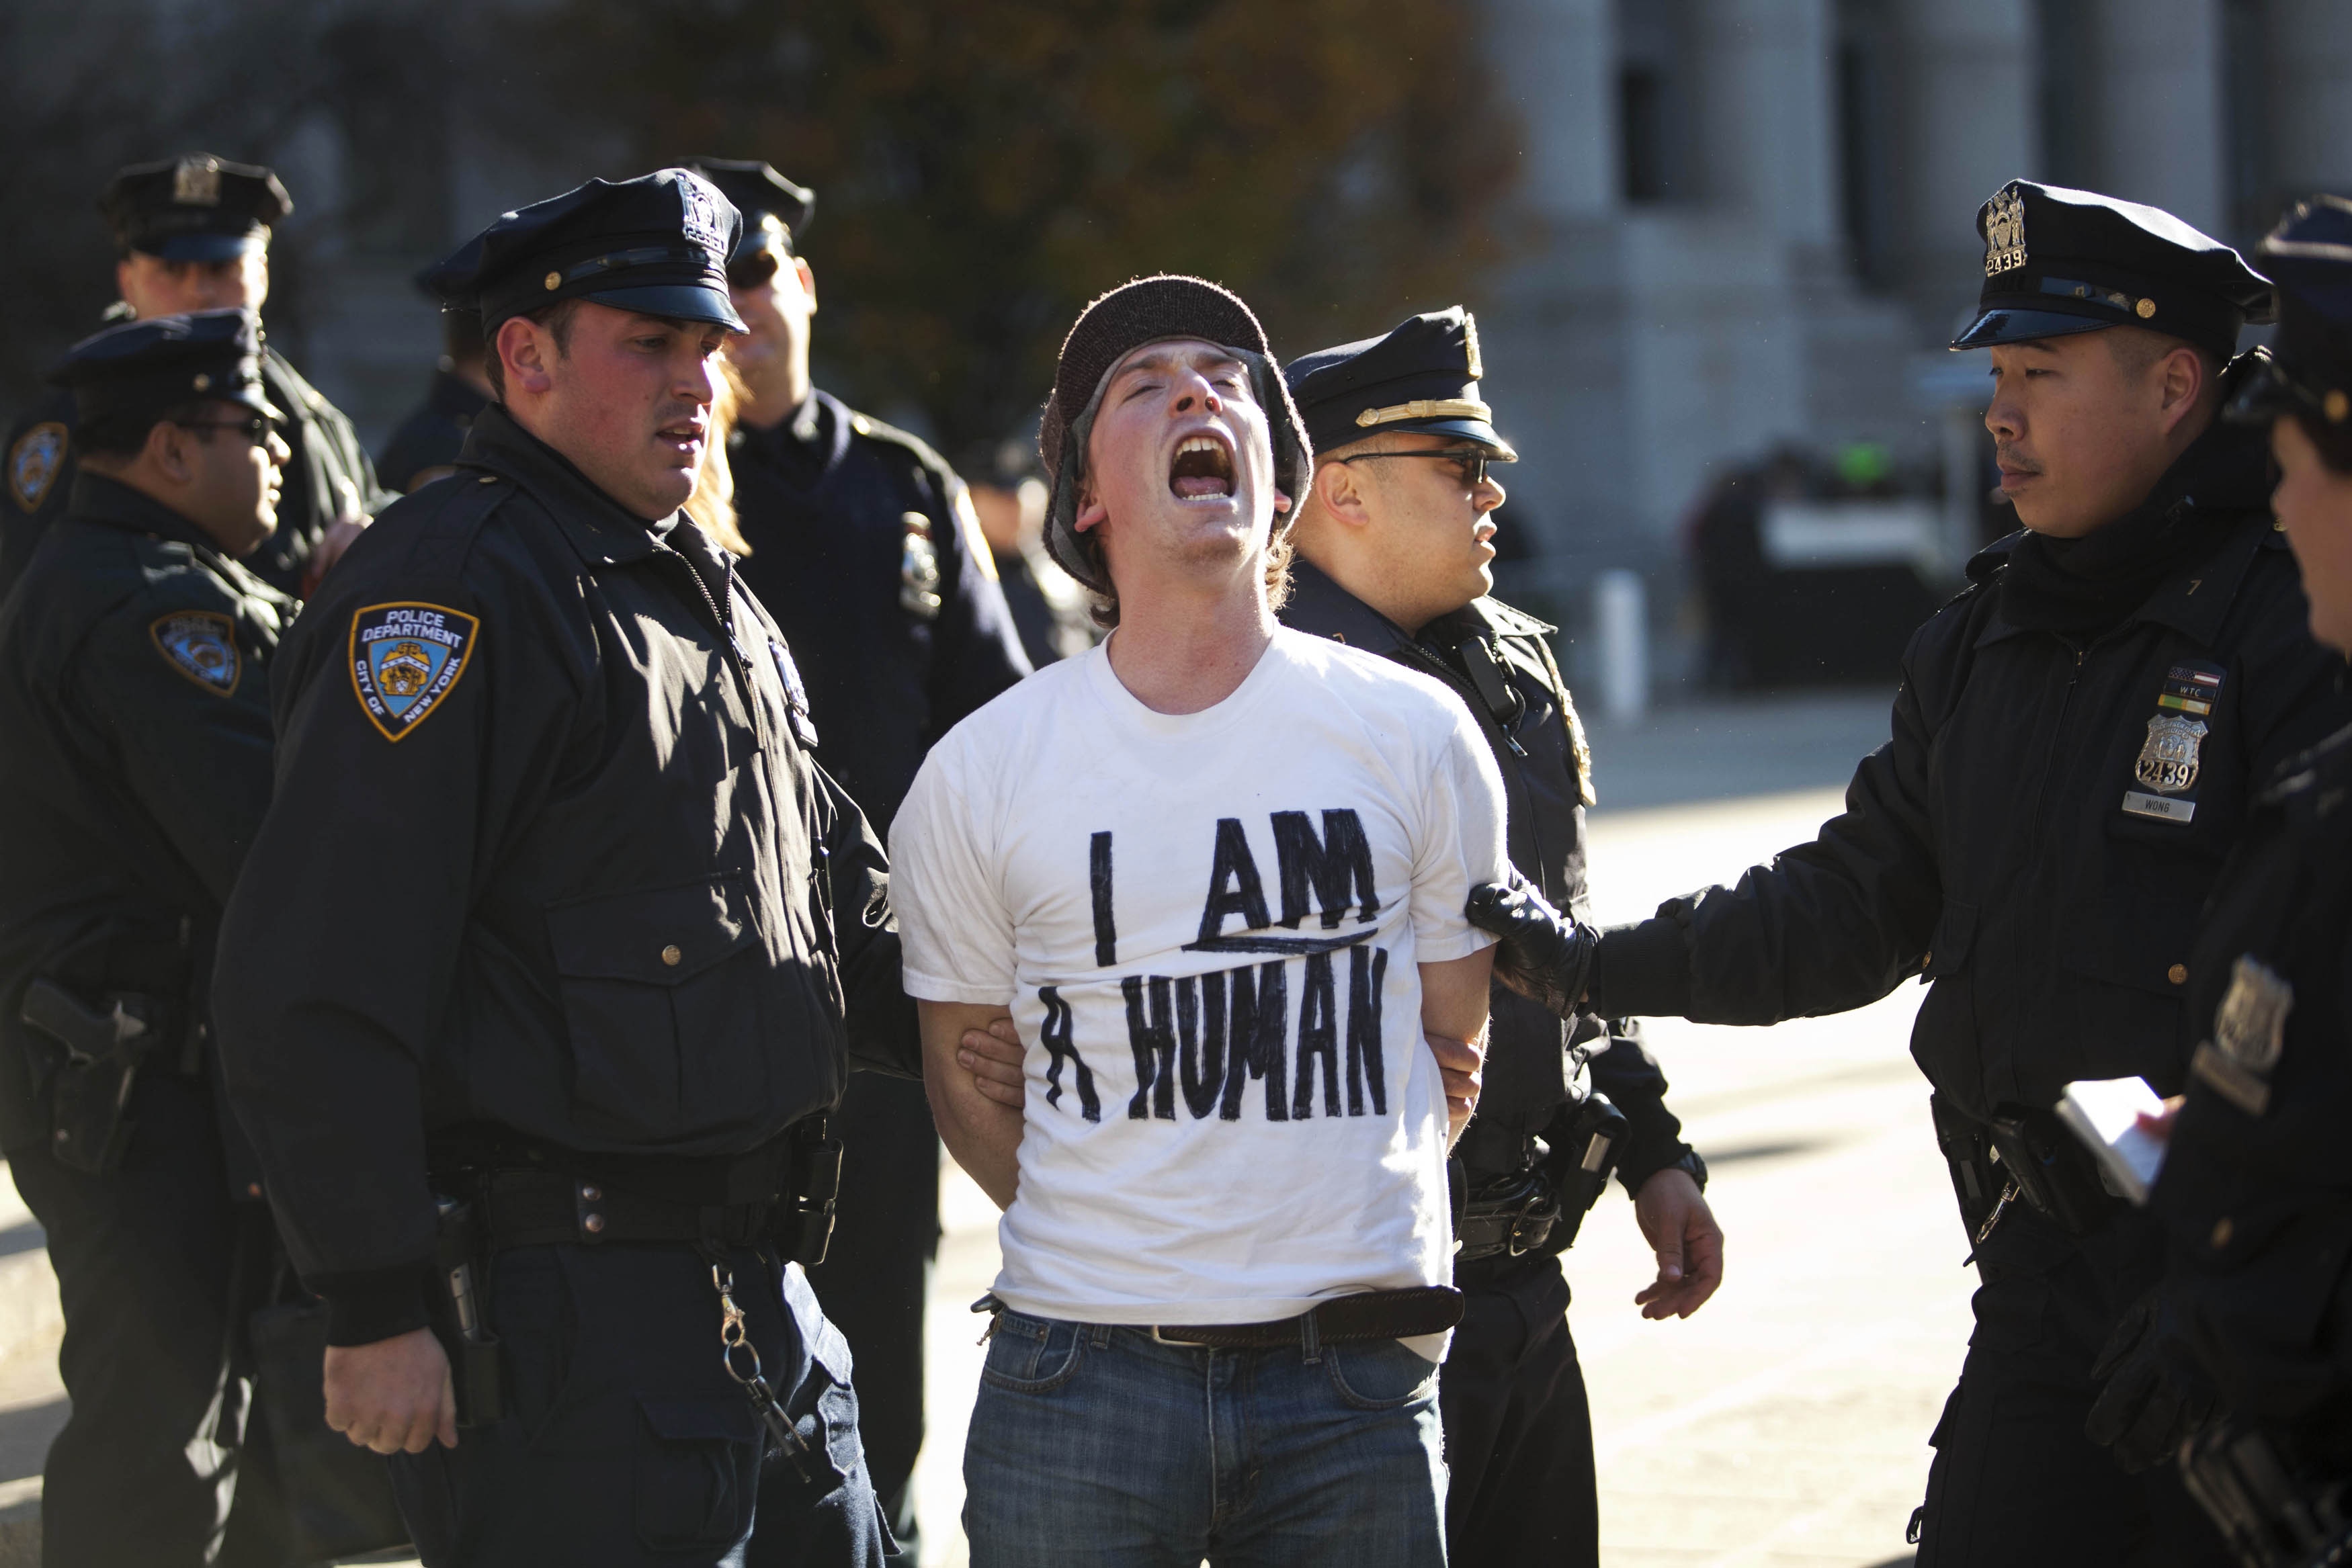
x: 2008, y: 457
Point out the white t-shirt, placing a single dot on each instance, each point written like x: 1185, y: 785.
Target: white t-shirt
x: 1207, y: 928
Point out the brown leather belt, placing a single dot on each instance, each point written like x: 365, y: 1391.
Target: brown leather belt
x: 1343, y: 1320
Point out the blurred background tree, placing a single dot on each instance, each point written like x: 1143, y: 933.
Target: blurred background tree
x: 985, y: 167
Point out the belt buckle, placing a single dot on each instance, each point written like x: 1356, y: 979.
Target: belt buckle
x: 1515, y: 1241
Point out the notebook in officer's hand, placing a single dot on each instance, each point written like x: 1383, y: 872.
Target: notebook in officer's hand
x: 2105, y: 1114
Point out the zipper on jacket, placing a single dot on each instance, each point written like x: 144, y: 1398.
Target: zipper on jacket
x: 759, y: 738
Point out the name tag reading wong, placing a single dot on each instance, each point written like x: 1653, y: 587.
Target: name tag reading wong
x: 2163, y: 809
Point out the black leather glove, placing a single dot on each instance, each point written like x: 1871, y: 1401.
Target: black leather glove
x: 1545, y: 956
x: 2154, y: 1397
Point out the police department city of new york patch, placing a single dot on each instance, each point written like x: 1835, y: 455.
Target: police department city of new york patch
x: 200, y: 644
x: 35, y: 462
x: 406, y: 659
x: 2251, y: 1022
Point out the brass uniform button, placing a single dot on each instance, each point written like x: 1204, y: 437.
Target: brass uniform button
x: 2223, y: 1231
x: 1927, y: 960
x: 2336, y: 405
x: 2145, y: 309
x: 253, y: 1189
x: 672, y: 956
x: 592, y: 1194
x: 554, y: 280
x: 2177, y: 974
x: 593, y: 1224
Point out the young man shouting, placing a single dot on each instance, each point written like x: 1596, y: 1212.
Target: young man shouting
x: 1217, y: 869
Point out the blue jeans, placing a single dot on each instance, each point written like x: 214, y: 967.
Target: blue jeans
x: 1099, y: 1446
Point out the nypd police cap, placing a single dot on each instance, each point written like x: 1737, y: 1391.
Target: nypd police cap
x: 656, y: 245
x: 2060, y: 261
x: 133, y: 372
x: 2309, y: 254
x: 197, y: 207
x: 1421, y: 376
x: 776, y: 211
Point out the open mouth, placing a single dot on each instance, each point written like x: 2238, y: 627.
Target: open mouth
x: 685, y: 437
x: 1203, y: 468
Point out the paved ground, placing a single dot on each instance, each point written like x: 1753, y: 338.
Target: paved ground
x: 1785, y: 1425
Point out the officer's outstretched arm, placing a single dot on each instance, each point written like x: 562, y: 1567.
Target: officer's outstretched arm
x: 1824, y: 927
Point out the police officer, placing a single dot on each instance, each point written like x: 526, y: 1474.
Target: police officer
x: 542, y: 970
x: 426, y: 445
x: 1394, y: 552
x: 866, y: 548
x: 193, y: 234
x: 2255, y: 1191
x: 135, y: 767
x: 2076, y: 742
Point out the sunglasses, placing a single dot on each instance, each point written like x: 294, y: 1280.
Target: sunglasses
x: 257, y: 429
x: 1470, y: 461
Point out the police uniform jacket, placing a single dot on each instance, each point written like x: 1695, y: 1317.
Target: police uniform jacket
x: 827, y: 500
x: 549, y: 856
x: 2256, y: 1189
x: 432, y: 435
x: 329, y: 474
x: 2036, y: 837
x: 1524, y: 710
x: 135, y: 767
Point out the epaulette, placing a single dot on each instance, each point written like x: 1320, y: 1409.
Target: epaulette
x: 1986, y: 564
x: 454, y: 509
x: 1509, y: 620
x: 866, y: 424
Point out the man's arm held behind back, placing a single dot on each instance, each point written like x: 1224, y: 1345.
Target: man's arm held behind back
x: 982, y: 1133
x: 1454, y: 1005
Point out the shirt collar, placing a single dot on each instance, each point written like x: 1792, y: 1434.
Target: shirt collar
x: 603, y: 530
x: 98, y: 500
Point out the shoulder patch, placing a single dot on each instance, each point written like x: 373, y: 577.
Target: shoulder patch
x: 405, y: 659
x: 34, y: 462
x: 200, y: 644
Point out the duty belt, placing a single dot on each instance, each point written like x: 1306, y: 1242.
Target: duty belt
x: 540, y: 1208
x: 1512, y: 1222
x: 1343, y: 1320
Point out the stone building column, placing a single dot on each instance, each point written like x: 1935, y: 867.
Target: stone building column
x: 1768, y: 140
x: 1556, y: 63
x: 2160, y: 135
x: 2307, y: 68
x: 1968, y: 121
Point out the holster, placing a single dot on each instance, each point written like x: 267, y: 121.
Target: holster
x: 2272, y: 1512
x: 461, y: 1314
x: 802, y: 1228
x: 1587, y: 1140
x: 1967, y: 1146
x: 104, y: 1048
x: 2055, y: 1175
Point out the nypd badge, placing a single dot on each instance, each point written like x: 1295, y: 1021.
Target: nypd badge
x: 405, y: 659
x: 2004, y: 232
x: 919, y: 567
x: 200, y: 644
x: 796, y: 698
x: 2251, y: 1022
x: 35, y: 462
x: 698, y: 214
x: 196, y: 182
x: 2168, y: 758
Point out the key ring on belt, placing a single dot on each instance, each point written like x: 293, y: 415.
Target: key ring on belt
x: 734, y: 1339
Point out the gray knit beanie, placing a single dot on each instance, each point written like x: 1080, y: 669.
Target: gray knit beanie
x: 1151, y: 310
